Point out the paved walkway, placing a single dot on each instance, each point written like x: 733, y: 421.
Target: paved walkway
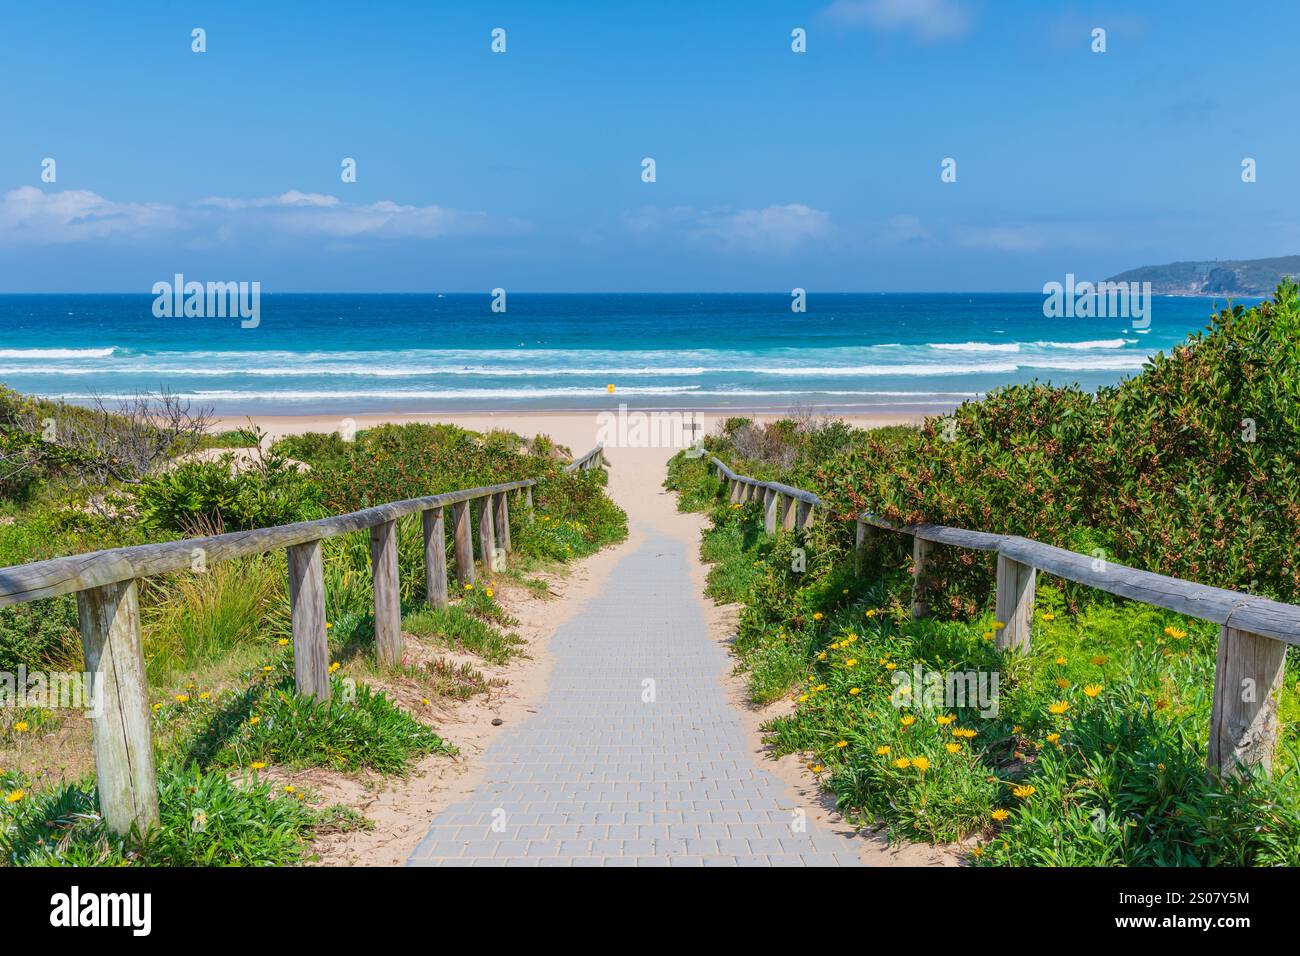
x: 597, y: 777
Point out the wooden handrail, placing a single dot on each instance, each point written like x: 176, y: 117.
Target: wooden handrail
x: 1253, y: 635
x: 592, y: 459
x: 109, y: 610
x: 44, y: 579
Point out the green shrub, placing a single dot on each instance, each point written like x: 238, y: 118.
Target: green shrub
x: 205, y: 497
x: 40, y: 635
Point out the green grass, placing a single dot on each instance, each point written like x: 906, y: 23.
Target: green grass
x: 460, y: 629
x: 206, y: 819
x: 358, y: 728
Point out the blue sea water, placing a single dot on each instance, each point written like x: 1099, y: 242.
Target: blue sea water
x: 340, y: 354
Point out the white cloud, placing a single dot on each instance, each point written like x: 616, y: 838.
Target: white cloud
x: 775, y: 229
x: 929, y: 20
x: 77, y: 215
x: 291, y: 198
x: 1007, y: 238
x: 31, y: 216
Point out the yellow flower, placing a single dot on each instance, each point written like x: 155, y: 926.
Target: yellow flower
x: 999, y: 814
x: 819, y: 688
x: 817, y: 768
x: 487, y: 591
x: 1176, y: 633
x: 945, y: 719
x: 871, y: 612
x: 803, y: 698
x: 1092, y: 690
x: 267, y: 669
x: 998, y: 625
x: 902, y: 763
x: 891, y: 666
x: 1062, y: 683
x: 908, y: 720
x: 283, y: 642
x: 854, y: 691
x: 842, y: 744
x: 328, y: 625
x: 335, y: 666
x: 1161, y: 767
x: 469, y: 587
x: 21, y: 727
x: 182, y: 698
x: 1023, y: 792
x: 254, y: 721
x: 1049, y: 616
x: 921, y: 763
x: 821, y: 656
x: 953, y: 748
x: 258, y: 765
x: 13, y: 796
x: 1053, y: 738
x: 988, y: 635
x: 290, y: 788
x: 883, y: 749
x: 1015, y: 729
x: 157, y: 707
x: 817, y: 616
x: 1058, y: 708
x: 1060, y: 660
x: 851, y: 662
x: 963, y: 733
x: 205, y: 696
x: 425, y: 701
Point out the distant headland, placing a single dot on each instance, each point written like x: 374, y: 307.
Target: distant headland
x: 1218, y: 277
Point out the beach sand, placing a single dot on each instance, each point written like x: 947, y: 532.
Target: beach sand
x: 402, y: 809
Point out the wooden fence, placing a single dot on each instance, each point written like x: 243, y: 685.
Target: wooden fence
x: 1253, y: 636
x: 108, y: 606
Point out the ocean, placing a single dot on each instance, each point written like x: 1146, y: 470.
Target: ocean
x: 340, y: 354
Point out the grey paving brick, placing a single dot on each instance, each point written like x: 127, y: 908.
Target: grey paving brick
x: 598, y: 777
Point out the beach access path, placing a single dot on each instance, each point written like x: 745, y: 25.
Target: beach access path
x: 639, y: 752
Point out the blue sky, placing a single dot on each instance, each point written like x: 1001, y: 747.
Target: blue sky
x: 523, y: 169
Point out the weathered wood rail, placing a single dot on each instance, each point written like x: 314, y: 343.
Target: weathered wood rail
x: 1253, y: 636
x: 592, y: 459
x: 108, y: 606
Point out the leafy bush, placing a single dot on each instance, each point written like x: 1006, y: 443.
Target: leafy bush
x: 206, y: 497
x: 40, y: 635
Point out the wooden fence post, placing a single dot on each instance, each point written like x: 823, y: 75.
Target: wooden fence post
x: 110, y: 642
x: 502, y: 521
x: 920, y: 600
x: 770, y: 502
x: 805, y: 515
x: 435, y: 557
x: 1247, y: 683
x: 787, y: 512
x: 311, y: 675
x: 528, y: 504
x: 388, y: 592
x: 1014, y: 608
x: 464, y: 543
x: 486, y: 536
